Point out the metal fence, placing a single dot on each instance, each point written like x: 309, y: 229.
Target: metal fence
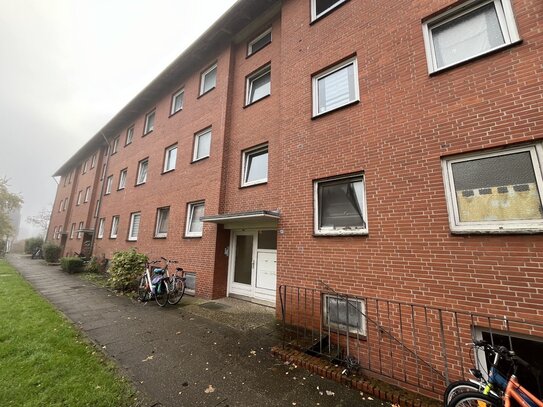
x: 418, y: 347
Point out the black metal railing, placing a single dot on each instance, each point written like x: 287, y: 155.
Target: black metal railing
x: 418, y: 347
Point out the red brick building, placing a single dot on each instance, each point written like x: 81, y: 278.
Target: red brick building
x: 383, y: 149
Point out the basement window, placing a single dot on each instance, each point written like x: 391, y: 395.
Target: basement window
x: 344, y: 314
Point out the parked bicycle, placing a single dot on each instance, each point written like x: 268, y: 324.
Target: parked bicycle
x: 512, y: 388
x: 153, y: 284
x: 176, y: 282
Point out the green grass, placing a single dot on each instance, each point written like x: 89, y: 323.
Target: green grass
x: 44, y: 361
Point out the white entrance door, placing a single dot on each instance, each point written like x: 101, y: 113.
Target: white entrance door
x: 253, y: 264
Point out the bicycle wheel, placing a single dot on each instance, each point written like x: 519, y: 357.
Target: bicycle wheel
x: 177, y: 289
x: 161, y: 293
x: 475, y: 399
x: 143, y: 290
x: 459, y: 387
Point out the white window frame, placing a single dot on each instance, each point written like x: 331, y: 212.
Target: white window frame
x: 197, y: 137
x: 114, y: 227
x: 72, y: 231
x: 344, y: 328
x: 159, y: 215
x: 167, y: 153
x: 123, y: 175
x: 85, y: 165
x: 315, y: 83
x: 258, y: 38
x: 250, y: 83
x: 148, y: 128
x: 131, y: 226
x: 101, y: 224
x: 139, y: 180
x: 506, y: 226
x: 245, y: 164
x: 109, y: 183
x: 87, y: 194
x: 179, y: 94
x: 81, y: 226
x: 315, y: 16
x: 79, y: 196
x: 190, y: 214
x: 129, y: 135
x: 203, y: 76
x: 340, y: 231
x: 93, y: 161
x: 506, y: 20
x: 61, y: 205
x: 115, y: 145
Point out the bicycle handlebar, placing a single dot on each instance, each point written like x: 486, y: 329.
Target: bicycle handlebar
x: 502, y: 351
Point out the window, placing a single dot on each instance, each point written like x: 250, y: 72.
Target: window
x: 258, y: 85
x: 259, y: 42
x: 142, y: 171
x: 500, y: 191
x: 102, y: 175
x: 162, y: 222
x: 101, y: 223
x: 97, y: 208
x: 194, y: 223
x: 65, y: 204
x: 322, y: 7
x: 134, y: 226
x: 79, y: 232
x: 255, y: 166
x: 115, y: 145
x: 202, y: 145
x: 93, y: 161
x: 177, y: 101
x: 149, y: 123
x: 340, y: 206
x: 208, y: 80
x: 170, y: 158
x: 335, y: 87
x: 129, y: 135
x: 79, y: 194
x: 109, y: 182
x: 114, y: 227
x: 122, y: 179
x: 85, y: 166
x: 87, y: 194
x: 72, y: 231
x: 60, y: 206
x: 344, y: 314
x: 70, y: 178
x: 467, y: 31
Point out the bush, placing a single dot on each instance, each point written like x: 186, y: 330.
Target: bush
x: 32, y: 244
x: 96, y: 265
x: 71, y: 264
x: 126, y: 267
x: 51, y: 252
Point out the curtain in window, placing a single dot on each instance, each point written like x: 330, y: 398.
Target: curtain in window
x: 469, y: 35
x: 336, y: 89
x: 135, y: 226
x: 163, y: 221
x: 196, y: 224
x: 340, y: 205
x: 143, y: 172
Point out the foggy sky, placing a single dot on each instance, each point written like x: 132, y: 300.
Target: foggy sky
x: 68, y: 66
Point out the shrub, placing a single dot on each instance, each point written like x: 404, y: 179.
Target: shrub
x: 125, y: 269
x: 32, y: 244
x: 71, y: 264
x: 51, y: 252
x: 97, y: 265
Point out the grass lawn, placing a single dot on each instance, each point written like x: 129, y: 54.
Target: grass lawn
x: 44, y: 361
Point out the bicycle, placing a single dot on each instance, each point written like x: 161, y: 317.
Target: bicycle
x: 156, y: 287
x: 513, y: 389
x: 494, y: 387
x: 176, y: 283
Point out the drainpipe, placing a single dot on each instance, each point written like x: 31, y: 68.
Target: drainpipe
x: 52, y: 209
x: 96, y: 221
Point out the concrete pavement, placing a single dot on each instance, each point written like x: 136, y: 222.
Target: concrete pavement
x: 198, y: 353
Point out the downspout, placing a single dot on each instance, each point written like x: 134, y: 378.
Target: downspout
x: 97, y: 217
x: 52, y: 209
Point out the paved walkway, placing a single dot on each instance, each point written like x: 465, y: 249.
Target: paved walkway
x: 198, y: 353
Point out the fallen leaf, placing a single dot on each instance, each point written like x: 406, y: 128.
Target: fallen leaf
x: 210, y: 389
x: 330, y: 393
x: 148, y: 358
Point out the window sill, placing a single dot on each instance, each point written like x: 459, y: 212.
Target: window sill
x: 497, y: 231
x: 131, y: 240
x: 475, y: 58
x: 205, y: 93
x: 192, y: 237
x: 167, y: 172
x: 120, y: 189
x: 160, y: 237
x: 253, y: 184
x: 140, y: 184
x: 256, y: 101
x: 127, y: 144
x: 112, y: 237
x: 322, y: 15
x: 199, y: 159
x: 174, y: 113
x: 340, y: 233
x: 354, y: 102
x: 149, y: 132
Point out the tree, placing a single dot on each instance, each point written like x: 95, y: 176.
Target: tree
x: 8, y: 202
x: 41, y: 220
